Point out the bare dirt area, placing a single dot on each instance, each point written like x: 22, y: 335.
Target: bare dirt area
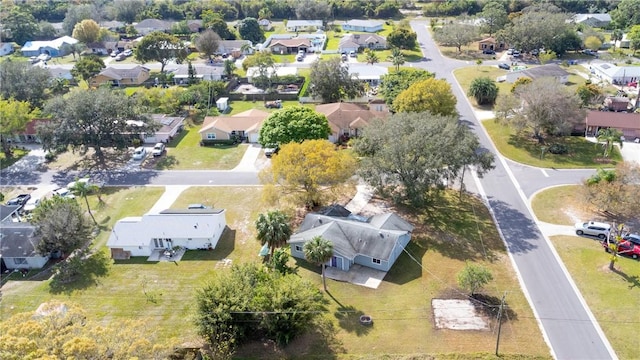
x: 78, y: 160
x: 455, y: 314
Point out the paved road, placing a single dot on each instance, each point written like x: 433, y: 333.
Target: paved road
x: 567, y: 324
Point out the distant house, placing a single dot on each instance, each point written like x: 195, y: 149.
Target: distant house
x: 245, y: 125
x: 121, y: 45
x: 368, y: 73
x: 289, y: 46
x: 491, y: 44
x: 356, y: 42
x: 265, y: 24
x: 202, y: 72
x: 18, y: 246
x: 53, y: 48
x: 235, y: 48
x: 624, y: 43
x: 304, y: 25
x: 627, y: 123
x: 113, y: 25
x: 278, y: 71
x: 549, y: 70
x: 170, y: 127
x: 135, y: 75
x: 592, y: 20
x: 195, y: 26
x: 363, y: 25
x: 189, y: 228
x: 100, y: 48
x: 616, y: 103
x: 56, y: 71
x: 347, y: 120
x: 148, y: 26
x: 5, y: 48
x: 615, y: 74
x: 375, y: 242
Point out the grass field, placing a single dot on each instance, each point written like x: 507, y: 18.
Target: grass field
x: 582, y: 153
x: 560, y: 205
x: 240, y: 106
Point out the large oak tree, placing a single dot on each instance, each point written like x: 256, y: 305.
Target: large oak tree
x: 161, y: 47
x: 61, y: 225
x: 432, y: 95
x: 330, y: 80
x: 293, y: 124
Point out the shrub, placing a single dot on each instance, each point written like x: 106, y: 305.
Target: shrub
x: 558, y: 149
x: 49, y: 157
x: 217, y: 142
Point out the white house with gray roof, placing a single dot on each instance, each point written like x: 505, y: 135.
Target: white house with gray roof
x: 615, y: 74
x: 355, y: 42
x: 368, y: 73
x: 304, y: 25
x: 592, y: 20
x: 363, y: 25
x: 549, y: 70
x: 375, y: 242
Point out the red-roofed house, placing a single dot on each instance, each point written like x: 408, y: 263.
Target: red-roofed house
x: 288, y: 46
x: 30, y: 134
x: 627, y: 123
x: 245, y: 125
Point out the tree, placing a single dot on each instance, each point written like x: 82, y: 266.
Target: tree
x: 319, y: 250
x: 83, y: 189
x: 14, y: 117
x: 60, y: 225
x: 126, y: 10
x: 24, y: 82
x: 212, y: 20
x: 86, y: 31
x: 396, y: 57
x: 74, y: 49
x: 534, y: 30
x: 455, y: 34
x: 249, y: 29
x: 473, y: 277
x: 273, y: 229
x: 494, y: 17
x: 634, y: 38
x: 87, y: 67
x: 546, y: 57
x: 330, y: 80
x: 519, y: 82
x: 208, y: 42
x: 590, y: 94
x: 392, y: 84
x: 293, y: 124
x: 592, y: 43
x: 613, y: 191
x: 46, y: 31
x: 266, y: 72
x: 160, y: 47
x: 308, y: 174
x: 77, y: 13
x: 229, y: 68
x: 433, y: 95
x: 313, y: 9
x: 626, y: 14
x: 616, y: 35
x: 402, y: 38
x: 20, y: 26
x: 94, y: 118
x: 371, y: 57
x: 609, y: 137
x: 543, y: 107
x: 484, y: 90
x: 410, y: 155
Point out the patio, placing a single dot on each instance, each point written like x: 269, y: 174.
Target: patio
x: 357, y: 275
x: 166, y: 255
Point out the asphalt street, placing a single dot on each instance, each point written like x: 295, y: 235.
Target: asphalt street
x: 568, y: 326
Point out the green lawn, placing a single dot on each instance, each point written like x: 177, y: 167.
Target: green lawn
x: 559, y: 205
x: 467, y: 74
x: 240, y: 106
x: 613, y: 297
x: 185, y: 153
x: 582, y: 153
x: 17, y: 154
x: 333, y: 40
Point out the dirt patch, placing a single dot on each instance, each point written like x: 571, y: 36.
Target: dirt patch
x: 457, y: 314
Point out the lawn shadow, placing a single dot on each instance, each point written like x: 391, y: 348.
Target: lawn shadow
x: 223, y: 249
x: 79, y: 273
x: 634, y: 281
x: 489, y: 306
x: 166, y: 163
x: 408, y: 266
x: 520, y: 232
x: 349, y: 320
x: 178, y: 138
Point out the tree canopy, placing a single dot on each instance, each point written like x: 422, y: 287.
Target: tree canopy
x: 330, y: 80
x: 161, y: 47
x: 494, y: 17
x: 534, y: 30
x: 208, y: 42
x: 293, y: 124
x: 432, y: 95
x: 14, y: 116
x: 308, y: 173
x: 249, y: 29
x: 626, y: 14
x: 20, y: 26
x: 24, y: 82
x: 313, y: 9
x: 473, y: 277
x: 396, y: 82
x: 86, y: 31
x: 484, y: 90
x: 456, y: 34
x: 402, y: 38
x: 273, y: 229
x: 410, y: 156
x: 614, y: 191
x: 87, y: 67
x: 212, y: 20
x: 61, y: 225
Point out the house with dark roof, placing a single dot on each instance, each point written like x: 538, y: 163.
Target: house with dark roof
x: 375, y: 242
x: 357, y: 42
x: 9, y: 213
x: 549, y: 70
x: 347, y: 120
x: 363, y: 25
x: 289, y: 46
x: 592, y: 20
x: 627, y: 123
x: 119, y: 76
x: 491, y: 43
x: 170, y: 126
x: 18, y: 246
x: 245, y: 125
x: 5, y: 48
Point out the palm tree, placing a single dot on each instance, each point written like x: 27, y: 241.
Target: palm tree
x: 273, y: 229
x: 609, y: 137
x: 319, y: 250
x: 84, y: 189
x: 372, y: 58
x: 396, y: 57
x: 484, y: 90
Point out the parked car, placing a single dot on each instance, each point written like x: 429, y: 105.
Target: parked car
x: 353, y: 54
x: 114, y: 53
x: 589, y: 52
x: 30, y: 205
x: 197, y: 206
x: 19, y: 200
x: 516, y: 53
x: 270, y: 151
x: 510, y: 51
x: 276, y: 104
x: 489, y: 51
x: 128, y: 52
x: 504, y: 66
x: 625, y: 248
x: 158, y: 149
x: 64, y: 192
x: 73, y: 183
x: 299, y: 58
x: 593, y: 228
x: 344, y: 57
x: 120, y: 57
x: 139, y: 153
x: 634, y: 238
x: 44, y: 57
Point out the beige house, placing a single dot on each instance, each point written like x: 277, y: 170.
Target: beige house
x: 135, y: 75
x: 245, y: 125
x: 347, y: 120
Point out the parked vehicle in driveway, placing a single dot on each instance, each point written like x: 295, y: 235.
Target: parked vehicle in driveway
x: 128, y: 52
x: 593, y: 228
x: 64, y: 192
x: 488, y: 51
x: 19, y: 200
x: 504, y: 66
x: 625, y: 248
x: 139, y: 153
x: 158, y: 149
x: 634, y: 238
x: 31, y: 204
x: 270, y: 151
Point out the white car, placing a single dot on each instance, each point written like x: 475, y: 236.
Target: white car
x: 64, y: 192
x: 139, y: 153
x: 158, y: 149
x: 73, y: 183
x: 128, y: 52
x: 593, y: 228
x: 31, y: 204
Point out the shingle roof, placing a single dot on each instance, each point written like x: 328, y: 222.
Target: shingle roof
x: 294, y: 42
x: 345, y: 115
x: 168, y: 122
x: 123, y: 73
x: 56, y: 43
x: 249, y: 120
x: 544, y: 71
x: 154, y: 24
x: 7, y: 210
x: 618, y: 120
x: 363, y: 23
x: 361, y: 39
x: 17, y: 240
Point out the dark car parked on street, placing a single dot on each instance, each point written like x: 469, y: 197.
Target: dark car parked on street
x: 504, y: 66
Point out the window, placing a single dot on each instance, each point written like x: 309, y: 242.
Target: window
x: 298, y: 248
x: 376, y: 261
x: 211, y: 136
x: 20, y: 261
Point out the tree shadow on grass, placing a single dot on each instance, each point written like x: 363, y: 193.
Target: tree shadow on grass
x: 167, y: 162
x: 79, y: 272
x: 225, y: 246
x: 634, y: 280
x: 489, y: 306
x: 349, y: 320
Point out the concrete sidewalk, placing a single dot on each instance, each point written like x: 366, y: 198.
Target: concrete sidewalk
x: 170, y: 195
x: 361, y: 198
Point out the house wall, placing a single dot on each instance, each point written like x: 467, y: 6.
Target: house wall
x: 219, y: 134
x: 368, y: 262
x: 34, y: 262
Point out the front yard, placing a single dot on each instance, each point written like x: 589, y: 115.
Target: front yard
x: 17, y: 154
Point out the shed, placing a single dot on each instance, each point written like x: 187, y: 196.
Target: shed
x: 222, y: 104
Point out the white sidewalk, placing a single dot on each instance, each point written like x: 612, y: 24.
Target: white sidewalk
x: 170, y: 195
x: 248, y: 162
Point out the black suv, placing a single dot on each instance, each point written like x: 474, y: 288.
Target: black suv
x: 19, y: 200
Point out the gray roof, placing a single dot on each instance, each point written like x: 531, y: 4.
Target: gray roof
x: 545, y: 70
x: 192, y: 211
x: 351, y: 236
x: 599, y: 17
x: 363, y: 23
x: 154, y: 24
x: 17, y: 240
x: 361, y: 40
x: 7, y: 210
x: 181, y: 71
x: 168, y: 122
x: 122, y: 73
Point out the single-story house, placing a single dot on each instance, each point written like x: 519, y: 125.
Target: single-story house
x: 100, y: 47
x: 491, y: 43
x: 195, y: 26
x: 53, y: 48
x: 56, y: 71
x: 627, y: 123
x: 9, y: 213
x: 347, y: 120
x: 375, y: 242
x: 368, y: 73
x: 288, y: 46
x: 30, y: 134
x: 135, y: 75
x: 113, y: 25
x: 202, y: 72
x: 549, y: 70
x: 615, y: 74
x: 170, y: 126
x: 191, y: 229
x: 121, y: 45
x: 592, y: 20
x: 18, y: 246
x: 616, y: 103
x: 147, y: 26
x: 363, y: 25
x: 235, y: 48
x: 304, y: 25
x: 355, y: 42
x: 5, y: 48
x: 265, y: 24
x: 245, y: 125
x: 279, y: 71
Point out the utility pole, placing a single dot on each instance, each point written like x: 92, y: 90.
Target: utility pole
x: 500, y: 321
